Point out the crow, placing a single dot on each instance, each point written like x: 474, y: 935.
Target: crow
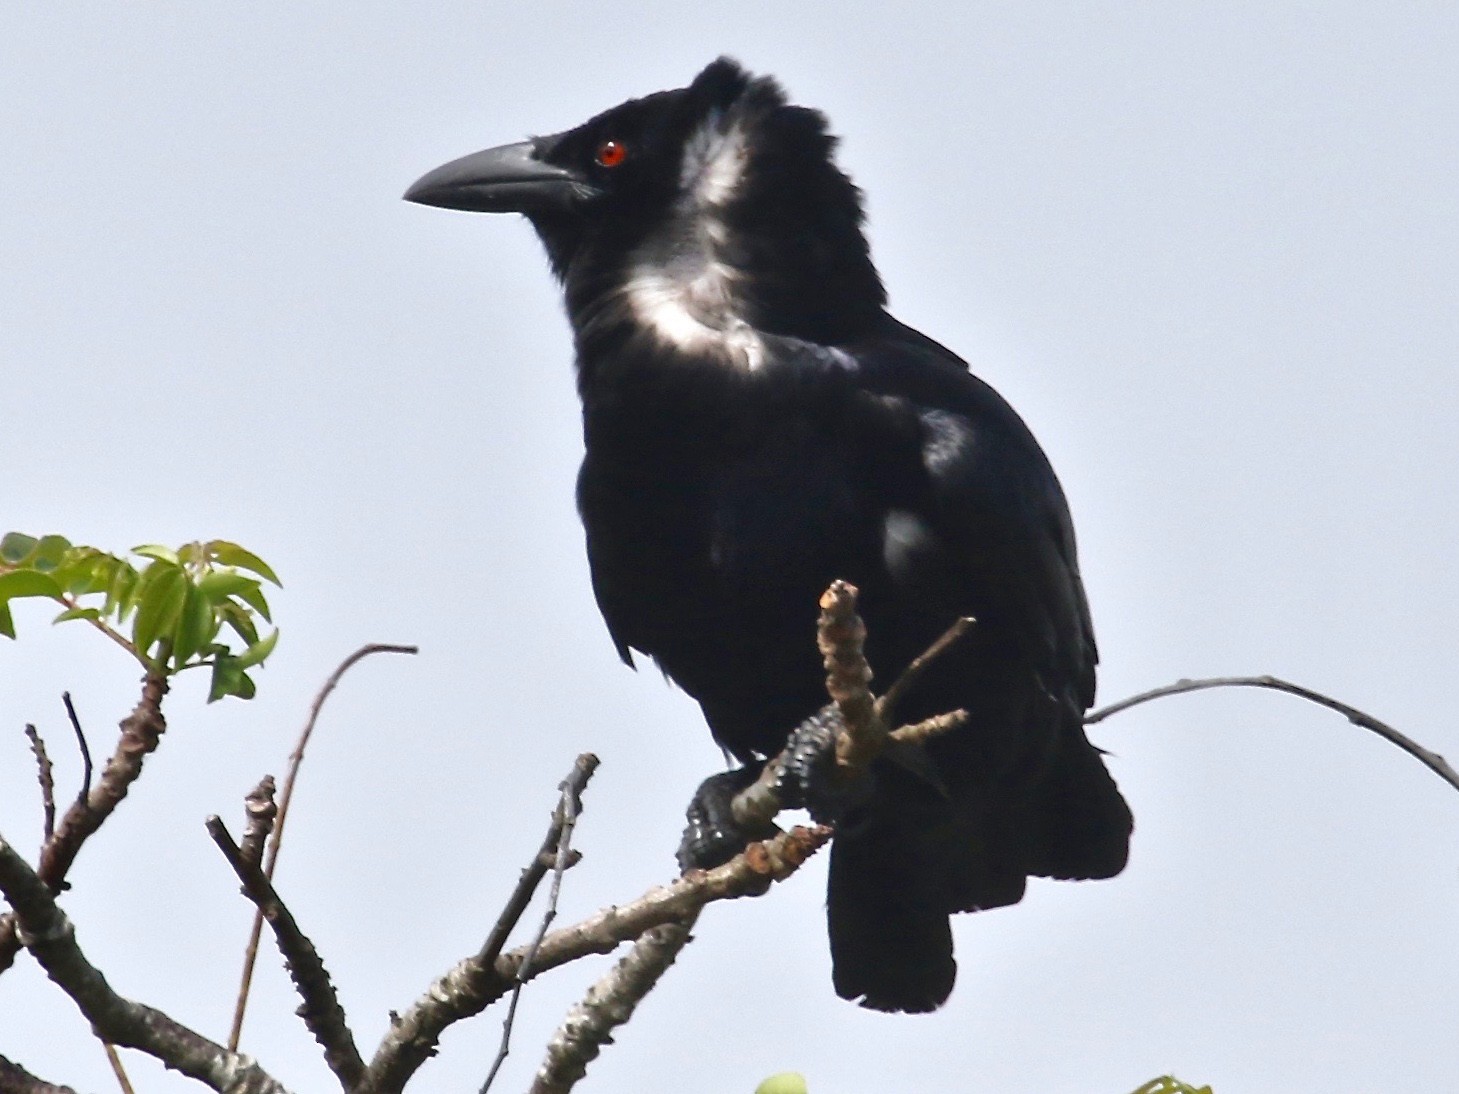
x: 756, y: 425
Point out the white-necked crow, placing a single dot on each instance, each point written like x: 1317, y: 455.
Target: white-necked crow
x: 757, y: 425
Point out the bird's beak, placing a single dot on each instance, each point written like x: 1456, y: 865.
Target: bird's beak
x: 509, y: 179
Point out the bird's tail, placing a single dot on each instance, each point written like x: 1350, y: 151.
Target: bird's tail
x: 891, y: 946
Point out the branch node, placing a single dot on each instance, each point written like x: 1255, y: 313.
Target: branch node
x: 46, y: 777
x: 259, y: 813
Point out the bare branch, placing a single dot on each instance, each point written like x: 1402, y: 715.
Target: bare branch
x: 141, y: 731
x: 1432, y: 760
x: 296, y: 758
x: 114, y: 1058
x: 46, y: 776
x: 259, y: 813
x: 863, y: 730
x: 14, y: 1079
x: 81, y: 745
x: 928, y: 728
x: 886, y: 706
x: 558, y: 846
x: 608, y: 1004
x: 45, y: 931
x: 320, y: 1008
x: 544, y: 860
x: 841, y: 634
x: 470, y: 987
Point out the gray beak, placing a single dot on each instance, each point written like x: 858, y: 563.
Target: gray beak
x: 509, y: 179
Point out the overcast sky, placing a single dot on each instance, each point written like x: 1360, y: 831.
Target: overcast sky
x: 1209, y: 251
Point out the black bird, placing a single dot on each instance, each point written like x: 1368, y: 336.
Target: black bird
x: 756, y: 425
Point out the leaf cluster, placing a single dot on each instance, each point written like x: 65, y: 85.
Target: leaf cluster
x: 168, y: 607
x: 1169, y: 1084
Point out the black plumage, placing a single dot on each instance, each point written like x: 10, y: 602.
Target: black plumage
x: 756, y: 425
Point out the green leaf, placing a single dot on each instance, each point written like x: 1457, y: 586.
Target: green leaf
x: 49, y: 552
x: 78, y: 613
x: 15, y: 548
x: 159, y: 605
x: 19, y: 583
x: 85, y: 570
x: 7, y: 624
x: 229, y: 679
x: 157, y: 551
x: 225, y: 679
x: 256, y: 653
x: 195, y: 625
x: 230, y: 554
x: 254, y: 598
x: 787, y: 1082
x: 238, y: 617
x: 119, y: 591
x: 221, y: 583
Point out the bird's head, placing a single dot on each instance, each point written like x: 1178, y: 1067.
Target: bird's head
x: 720, y: 194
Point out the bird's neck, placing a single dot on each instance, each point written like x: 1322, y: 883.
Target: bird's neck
x: 693, y: 296
x: 764, y: 241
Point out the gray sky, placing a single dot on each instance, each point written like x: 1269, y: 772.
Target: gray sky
x: 1209, y: 251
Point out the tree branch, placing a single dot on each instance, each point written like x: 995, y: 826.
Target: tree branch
x: 14, y: 1079
x: 141, y: 731
x: 862, y: 732
x: 556, y: 852
x: 608, y: 1004
x: 471, y: 986
x: 45, y: 775
x: 81, y: 744
x: 259, y: 812
x: 575, y: 783
x: 114, y: 1058
x: 1432, y: 760
x: 886, y: 706
x: 320, y: 1008
x: 44, y: 930
x: 296, y: 759
x: 841, y: 636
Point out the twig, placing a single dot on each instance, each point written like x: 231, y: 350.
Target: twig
x: 46, y: 932
x: 14, y: 1079
x: 114, y: 1058
x: 141, y: 730
x: 46, y: 777
x: 320, y: 1008
x: 886, y: 706
x: 862, y: 731
x: 296, y: 758
x: 841, y: 635
x: 259, y: 812
x: 928, y: 728
x: 80, y: 744
x: 546, y: 857
x: 1432, y: 760
x: 608, y: 1004
x: 564, y: 819
x: 470, y: 987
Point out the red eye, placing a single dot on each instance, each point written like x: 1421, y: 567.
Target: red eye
x: 611, y: 154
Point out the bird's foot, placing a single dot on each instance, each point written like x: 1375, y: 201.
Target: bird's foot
x: 713, y: 836
x: 809, y: 777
